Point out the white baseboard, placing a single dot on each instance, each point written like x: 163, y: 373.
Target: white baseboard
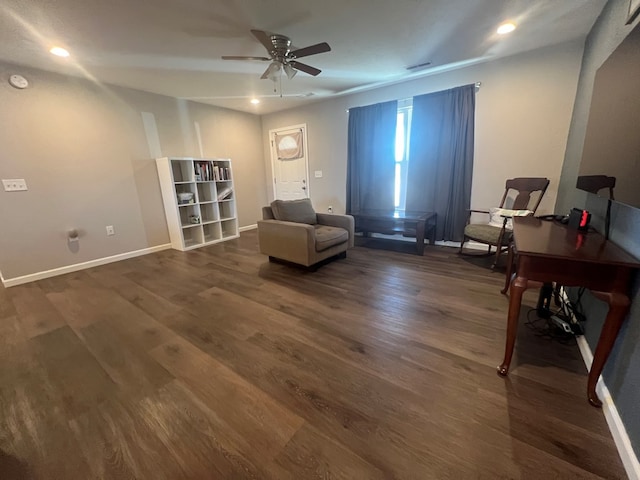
x: 248, y: 227
x: 611, y: 415
x: 470, y: 244
x: 32, y: 277
x: 618, y: 431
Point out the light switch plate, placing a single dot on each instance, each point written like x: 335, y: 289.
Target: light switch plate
x: 14, y: 184
x: 318, y: 173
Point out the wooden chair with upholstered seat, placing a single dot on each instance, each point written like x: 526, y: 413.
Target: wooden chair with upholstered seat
x: 497, y: 233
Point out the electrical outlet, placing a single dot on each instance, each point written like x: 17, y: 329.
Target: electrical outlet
x: 330, y: 209
x: 14, y: 184
x: 318, y: 173
x: 110, y: 230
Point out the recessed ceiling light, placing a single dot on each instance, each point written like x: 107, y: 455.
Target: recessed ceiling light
x: 59, y: 51
x: 255, y: 101
x: 506, y: 28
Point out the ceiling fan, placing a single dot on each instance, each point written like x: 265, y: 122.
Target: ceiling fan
x: 281, y: 55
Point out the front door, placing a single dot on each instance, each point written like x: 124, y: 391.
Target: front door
x: 289, y: 162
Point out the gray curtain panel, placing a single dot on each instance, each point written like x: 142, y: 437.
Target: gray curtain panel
x: 441, y: 158
x: 371, y: 157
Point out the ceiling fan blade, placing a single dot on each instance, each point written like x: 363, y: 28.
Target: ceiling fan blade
x: 235, y: 57
x: 305, y: 68
x: 312, y: 50
x: 263, y: 38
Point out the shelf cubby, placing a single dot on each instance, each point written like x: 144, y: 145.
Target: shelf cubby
x: 209, y: 213
x: 212, y: 232
x: 193, y: 236
x: 206, y: 192
x: 187, y: 212
x: 227, y: 209
x: 229, y: 227
x: 182, y: 171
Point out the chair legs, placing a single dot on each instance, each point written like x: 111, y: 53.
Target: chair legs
x: 500, y: 248
x: 495, y: 262
x: 464, y: 239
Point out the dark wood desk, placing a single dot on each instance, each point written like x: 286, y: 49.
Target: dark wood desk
x: 551, y: 252
x: 390, y: 222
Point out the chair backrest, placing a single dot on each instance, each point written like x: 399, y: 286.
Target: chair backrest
x: 525, y: 186
x: 595, y: 183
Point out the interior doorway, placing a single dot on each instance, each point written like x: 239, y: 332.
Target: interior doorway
x: 289, y: 162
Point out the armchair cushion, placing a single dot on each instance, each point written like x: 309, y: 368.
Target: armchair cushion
x: 298, y: 211
x: 486, y: 233
x: 327, y: 237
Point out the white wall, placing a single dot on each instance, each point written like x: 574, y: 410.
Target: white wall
x: 83, y: 151
x: 523, y: 113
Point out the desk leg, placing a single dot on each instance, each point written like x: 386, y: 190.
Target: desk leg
x: 618, y: 309
x: 507, y: 279
x: 420, y: 237
x: 518, y: 286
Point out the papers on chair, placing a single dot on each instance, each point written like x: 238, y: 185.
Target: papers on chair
x: 497, y: 216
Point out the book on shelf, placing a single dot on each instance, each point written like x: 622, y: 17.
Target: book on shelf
x: 204, y: 171
x: 208, y: 171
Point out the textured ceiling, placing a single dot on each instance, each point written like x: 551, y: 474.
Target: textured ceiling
x: 174, y: 47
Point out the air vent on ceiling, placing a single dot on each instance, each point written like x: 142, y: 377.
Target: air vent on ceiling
x: 418, y: 66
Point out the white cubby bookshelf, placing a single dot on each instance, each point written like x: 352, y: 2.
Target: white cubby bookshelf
x: 210, y: 216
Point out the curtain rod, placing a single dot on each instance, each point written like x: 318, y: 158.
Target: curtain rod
x: 477, y: 85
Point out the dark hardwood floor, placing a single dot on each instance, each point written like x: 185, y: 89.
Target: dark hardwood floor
x: 217, y: 364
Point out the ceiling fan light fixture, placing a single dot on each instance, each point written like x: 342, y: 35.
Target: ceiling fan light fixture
x: 290, y: 71
x: 273, y: 72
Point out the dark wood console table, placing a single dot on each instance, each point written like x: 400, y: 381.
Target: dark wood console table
x: 547, y: 251
x: 390, y: 222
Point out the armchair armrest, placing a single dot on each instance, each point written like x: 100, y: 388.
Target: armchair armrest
x: 287, y: 240
x: 471, y: 210
x: 342, y: 221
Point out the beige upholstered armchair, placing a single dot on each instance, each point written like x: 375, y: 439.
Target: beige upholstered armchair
x: 291, y: 230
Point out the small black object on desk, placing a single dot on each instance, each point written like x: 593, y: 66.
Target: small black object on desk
x: 579, y: 219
